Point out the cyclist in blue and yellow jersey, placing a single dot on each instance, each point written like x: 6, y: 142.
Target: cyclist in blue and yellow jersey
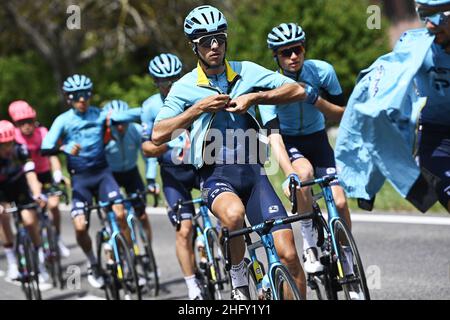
x: 302, y: 127
x: 122, y: 155
x: 81, y: 130
x: 19, y: 184
x: 178, y: 179
x: 216, y: 101
x: 433, y: 82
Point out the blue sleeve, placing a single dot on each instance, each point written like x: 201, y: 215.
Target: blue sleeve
x: 147, y: 120
x: 265, y: 78
x: 150, y: 171
x: 174, y: 104
x: 328, y: 78
x: 131, y: 115
x: 54, y: 134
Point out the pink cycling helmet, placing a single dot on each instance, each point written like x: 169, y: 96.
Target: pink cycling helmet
x: 20, y: 110
x: 6, y: 131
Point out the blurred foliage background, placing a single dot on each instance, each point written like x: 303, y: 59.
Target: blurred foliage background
x: 118, y: 38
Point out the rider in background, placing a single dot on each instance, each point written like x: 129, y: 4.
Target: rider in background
x: 433, y: 81
x: 178, y: 179
x: 302, y: 128
x: 82, y: 129
x: 19, y: 184
x: 31, y: 134
x: 122, y: 155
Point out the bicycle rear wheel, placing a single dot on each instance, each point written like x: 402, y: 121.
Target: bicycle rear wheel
x: 28, y: 268
x: 284, y: 285
x: 353, y: 283
x: 144, y: 259
x: 127, y: 279
x: 217, y: 274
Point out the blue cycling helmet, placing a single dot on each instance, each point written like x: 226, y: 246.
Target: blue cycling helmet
x: 165, y: 65
x: 285, y: 34
x: 204, y: 20
x: 77, y: 82
x: 116, y: 105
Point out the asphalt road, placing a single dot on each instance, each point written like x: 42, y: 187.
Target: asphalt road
x: 404, y: 257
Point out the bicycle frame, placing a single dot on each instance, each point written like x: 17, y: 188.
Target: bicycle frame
x: 267, y: 241
x: 333, y: 214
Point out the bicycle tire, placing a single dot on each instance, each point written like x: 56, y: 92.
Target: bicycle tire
x: 146, y: 266
x: 220, y: 281
x: 106, y: 270
x: 28, y: 268
x: 252, y: 280
x: 281, y: 276
x: 52, y: 256
x: 128, y: 282
x: 339, y: 229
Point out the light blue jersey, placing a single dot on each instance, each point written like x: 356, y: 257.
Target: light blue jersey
x: 301, y: 118
x: 150, y: 109
x: 122, y: 151
x: 242, y: 77
x: 433, y: 82
x: 86, y: 129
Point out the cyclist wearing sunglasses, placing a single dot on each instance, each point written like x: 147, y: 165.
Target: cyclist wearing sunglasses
x: 81, y: 130
x: 19, y: 184
x: 216, y: 101
x: 122, y: 154
x: 30, y: 134
x: 178, y: 179
x: 302, y: 127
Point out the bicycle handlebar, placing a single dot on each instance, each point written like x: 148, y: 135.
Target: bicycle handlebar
x: 180, y: 203
x: 262, y: 228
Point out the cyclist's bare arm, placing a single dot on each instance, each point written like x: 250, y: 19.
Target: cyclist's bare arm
x: 331, y: 111
x: 151, y: 150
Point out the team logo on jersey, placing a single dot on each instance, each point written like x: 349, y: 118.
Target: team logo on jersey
x: 447, y: 173
x: 219, y: 184
x: 273, y: 209
x: 292, y: 150
x: 331, y: 170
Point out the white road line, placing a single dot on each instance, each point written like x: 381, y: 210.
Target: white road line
x: 384, y: 218
x: 357, y: 217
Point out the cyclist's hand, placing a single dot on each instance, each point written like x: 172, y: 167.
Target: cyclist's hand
x: 240, y: 104
x: 75, y: 149
x: 214, y: 103
x: 41, y: 200
x: 152, y: 186
x: 285, y: 184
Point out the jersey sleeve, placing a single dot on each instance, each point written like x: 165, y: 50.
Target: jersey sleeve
x: 54, y: 134
x: 174, y: 104
x: 328, y: 78
x: 265, y: 79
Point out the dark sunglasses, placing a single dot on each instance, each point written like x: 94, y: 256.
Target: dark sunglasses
x: 288, y: 52
x: 24, y: 121
x: 208, y: 41
x: 77, y: 95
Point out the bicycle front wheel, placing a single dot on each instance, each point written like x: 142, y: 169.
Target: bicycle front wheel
x: 350, y: 271
x: 28, y: 268
x: 217, y: 274
x: 127, y: 279
x: 144, y: 259
x: 284, y: 285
